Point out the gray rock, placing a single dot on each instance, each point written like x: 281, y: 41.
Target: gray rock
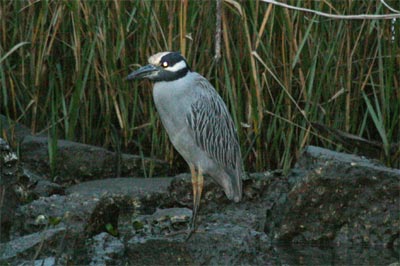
x: 27, y: 243
x: 51, y: 261
x: 90, y: 206
x: 314, y: 157
x: 227, y: 234
x: 163, y: 222
x: 40, y: 186
x: 9, y: 165
x: 76, y: 161
x: 14, y: 131
x: 304, y: 254
x: 12, y: 191
x: 214, y: 243
x: 72, y: 211
x: 136, y: 187
x: 332, y: 198
x: 105, y: 249
x: 231, y: 244
x: 343, y: 199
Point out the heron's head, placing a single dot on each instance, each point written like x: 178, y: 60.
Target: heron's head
x: 164, y: 66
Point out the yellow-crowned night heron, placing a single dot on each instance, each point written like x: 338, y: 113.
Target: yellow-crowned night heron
x: 197, y: 122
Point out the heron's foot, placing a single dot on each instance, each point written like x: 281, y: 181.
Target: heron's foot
x: 191, y: 231
x: 180, y: 232
x: 188, y: 232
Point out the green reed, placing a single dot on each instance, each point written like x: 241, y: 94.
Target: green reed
x: 63, y: 64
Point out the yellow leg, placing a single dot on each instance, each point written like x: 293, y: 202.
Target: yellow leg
x: 197, y: 184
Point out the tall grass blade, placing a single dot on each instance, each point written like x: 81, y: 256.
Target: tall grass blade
x: 377, y: 118
x: 12, y: 50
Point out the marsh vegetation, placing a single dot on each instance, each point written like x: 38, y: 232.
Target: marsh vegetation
x: 63, y: 65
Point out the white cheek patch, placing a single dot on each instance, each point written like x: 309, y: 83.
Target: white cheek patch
x: 178, y: 66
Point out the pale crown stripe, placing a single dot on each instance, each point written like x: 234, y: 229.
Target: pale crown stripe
x: 155, y: 59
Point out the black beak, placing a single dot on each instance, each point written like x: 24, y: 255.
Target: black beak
x: 142, y: 72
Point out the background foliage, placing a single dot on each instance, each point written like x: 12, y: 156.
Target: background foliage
x: 63, y: 65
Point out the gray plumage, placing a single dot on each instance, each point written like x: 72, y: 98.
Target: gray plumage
x: 201, y: 129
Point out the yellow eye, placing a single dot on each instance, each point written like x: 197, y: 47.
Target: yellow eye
x: 164, y: 64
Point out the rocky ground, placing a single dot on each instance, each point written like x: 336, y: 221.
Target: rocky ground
x: 331, y: 209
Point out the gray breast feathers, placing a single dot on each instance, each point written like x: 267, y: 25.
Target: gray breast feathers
x: 213, y: 128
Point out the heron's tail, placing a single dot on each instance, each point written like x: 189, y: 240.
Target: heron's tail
x: 234, y: 190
